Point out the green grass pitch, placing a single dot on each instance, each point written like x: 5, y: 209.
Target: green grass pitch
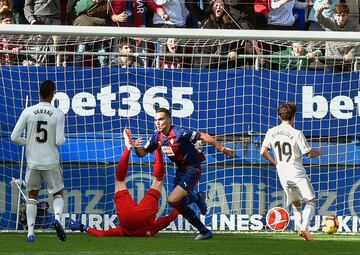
x: 243, y: 243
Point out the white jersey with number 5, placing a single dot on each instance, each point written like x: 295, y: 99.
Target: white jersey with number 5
x: 288, y: 145
x: 45, y: 131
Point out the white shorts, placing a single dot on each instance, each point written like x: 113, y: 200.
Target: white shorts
x: 298, y: 189
x: 53, y: 179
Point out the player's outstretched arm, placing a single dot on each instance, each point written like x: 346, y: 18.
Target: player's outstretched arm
x: 265, y: 153
x: 74, y: 226
x: 314, y: 154
x: 211, y: 140
x: 163, y: 222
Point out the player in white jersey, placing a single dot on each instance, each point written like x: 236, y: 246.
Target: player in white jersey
x: 44, y: 125
x: 288, y: 146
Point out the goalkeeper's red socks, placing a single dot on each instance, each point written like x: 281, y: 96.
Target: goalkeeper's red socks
x: 123, y: 165
x: 159, y: 165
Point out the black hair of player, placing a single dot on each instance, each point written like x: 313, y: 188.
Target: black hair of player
x: 164, y: 110
x: 47, y: 89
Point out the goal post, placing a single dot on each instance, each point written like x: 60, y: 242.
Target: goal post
x: 234, y: 99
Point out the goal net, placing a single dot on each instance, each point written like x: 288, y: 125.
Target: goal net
x: 225, y: 83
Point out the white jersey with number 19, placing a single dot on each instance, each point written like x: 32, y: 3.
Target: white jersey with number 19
x: 45, y: 131
x: 288, y: 145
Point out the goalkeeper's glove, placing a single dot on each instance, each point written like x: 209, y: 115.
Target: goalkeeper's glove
x: 73, y: 225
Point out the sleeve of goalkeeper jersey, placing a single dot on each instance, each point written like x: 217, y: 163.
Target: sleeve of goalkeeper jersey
x: 163, y: 222
x: 102, y: 233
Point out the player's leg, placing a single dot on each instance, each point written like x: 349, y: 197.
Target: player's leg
x: 297, y: 212
x: 159, y: 169
x: 149, y: 205
x: 55, y: 186
x: 307, y: 192
x: 185, y: 183
x: 199, y: 198
x: 308, y: 213
x: 123, y: 165
x: 31, y: 211
x: 33, y: 181
x: 293, y: 197
x: 122, y: 170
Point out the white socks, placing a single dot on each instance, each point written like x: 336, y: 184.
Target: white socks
x: 307, y: 215
x: 31, y: 210
x: 297, y: 211
x: 58, y: 205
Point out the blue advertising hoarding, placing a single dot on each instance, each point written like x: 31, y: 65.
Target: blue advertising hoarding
x: 99, y: 103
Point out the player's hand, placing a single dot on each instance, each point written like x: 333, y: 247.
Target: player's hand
x: 229, y: 152
x: 138, y: 142
x: 73, y: 225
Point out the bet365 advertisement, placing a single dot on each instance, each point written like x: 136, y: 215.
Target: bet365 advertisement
x: 99, y: 103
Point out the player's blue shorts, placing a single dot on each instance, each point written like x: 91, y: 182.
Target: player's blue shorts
x: 188, y: 179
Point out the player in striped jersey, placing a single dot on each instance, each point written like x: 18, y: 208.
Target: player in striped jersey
x: 178, y: 144
x: 288, y: 145
x: 44, y: 125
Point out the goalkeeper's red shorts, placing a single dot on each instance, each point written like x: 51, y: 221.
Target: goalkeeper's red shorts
x: 134, y: 216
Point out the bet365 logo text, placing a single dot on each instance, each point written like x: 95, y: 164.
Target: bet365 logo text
x: 128, y: 101
x: 340, y: 107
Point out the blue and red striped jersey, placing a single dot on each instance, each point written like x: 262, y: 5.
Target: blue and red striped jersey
x: 178, y: 145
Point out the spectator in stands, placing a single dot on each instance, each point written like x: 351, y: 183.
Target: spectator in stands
x: 42, y: 11
x: 262, y: 9
x: 6, y: 16
x: 92, y: 13
x: 241, y: 13
x: 70, y: 11
x: 218, y: 19
x: 126, y: 61
x: 40, y: 43
x: 176, y: 14
x: 234, y: 9
x: 18, y: 11
x: 132, y: 13
x: 281, y: 16
x: 13, y: 58
x: 344, y: 51
x: 252, y: 48
x: 297, y: 49
x: 314, y: 25
x: 197, y: 14
x: 173, y: 62
x: 5, y: 4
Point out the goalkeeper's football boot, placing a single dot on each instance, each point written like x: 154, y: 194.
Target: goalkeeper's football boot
x: 30, y: 239
x: 59, y: 230
x: 306, y: 235
x: 201, y: 202
x: 208, y: 235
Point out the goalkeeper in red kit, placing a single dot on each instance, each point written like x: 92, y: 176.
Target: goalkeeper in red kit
x: 137, y: 220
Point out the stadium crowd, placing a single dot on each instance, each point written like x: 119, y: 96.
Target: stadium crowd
x: 312, y: 15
